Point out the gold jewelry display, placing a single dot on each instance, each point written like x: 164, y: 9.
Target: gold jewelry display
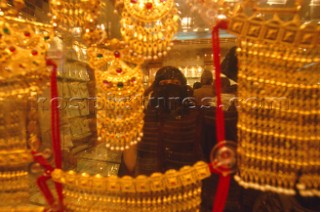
x: 172, y: 191
x: 22, y: 49
x: 14, y: 188
x: 23, y: 73
x: 279, y: 112
x: 153, y: 10
x: 149, y: 26
x: 15, y: 158
x: 211, y: 10
x: 23, y: 69
x: 119, y: 98
x: 78, y: 16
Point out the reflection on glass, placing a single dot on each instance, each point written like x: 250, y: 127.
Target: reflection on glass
x: 315, y: 3
x: 277, y: 2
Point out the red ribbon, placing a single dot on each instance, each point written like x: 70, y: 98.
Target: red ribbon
x: 224, y: 181
x: 42, y: 180
x: 213, y: 169
x: 55, y: 125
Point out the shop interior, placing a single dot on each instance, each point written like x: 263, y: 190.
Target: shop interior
x: 71, y: 128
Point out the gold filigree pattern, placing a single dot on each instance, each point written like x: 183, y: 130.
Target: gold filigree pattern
x: 119, y: 95
x: 278, y: 79
x: 153, y: 10
x: 23, y: 74
x: 149, y: 37
x: 171, y: 191
x: 22, y: 49
x: 79, y: 17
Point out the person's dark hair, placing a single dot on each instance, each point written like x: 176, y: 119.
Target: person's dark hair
x: 229, y: 65
x: 169, y: 91
x: 206, y: 77
x: 196, y: 85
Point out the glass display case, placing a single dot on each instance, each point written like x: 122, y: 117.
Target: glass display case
x: 191, y: 57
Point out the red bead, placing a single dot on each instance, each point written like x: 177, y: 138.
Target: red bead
x: 133, y: 79
x: 134, y: 1
x: 117, y: 54
x: 149, y: 5
x: 34, y: 52
x: 119, y: 70
x: 27, y: 34
x: 163, y: 0
x: 12, y: 49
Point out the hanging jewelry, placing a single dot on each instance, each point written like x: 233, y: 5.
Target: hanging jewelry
x: 149, y: 26
x: 120, y: 98
x: 78, y: 17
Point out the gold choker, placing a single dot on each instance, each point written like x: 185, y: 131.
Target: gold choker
x: 172, y: 191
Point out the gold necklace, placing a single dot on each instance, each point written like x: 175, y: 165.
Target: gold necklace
x: 171, y: 191
x: 119, y: 93
x: 149, y: 26
x: 152, y: 10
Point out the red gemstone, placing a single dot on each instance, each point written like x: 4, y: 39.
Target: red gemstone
x: 119, y: 70
x: 163, y: 0
x: 34, y: 52
x: 117, y: 54
x: 149, y: 5
x: 27, y: 34
x: 12, y: 49
x: 107, y: 83
x: 134, y: 1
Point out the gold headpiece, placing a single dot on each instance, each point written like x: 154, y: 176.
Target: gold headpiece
x: 119, y: 91
x: 149, y: 26
x: 278, y: 83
